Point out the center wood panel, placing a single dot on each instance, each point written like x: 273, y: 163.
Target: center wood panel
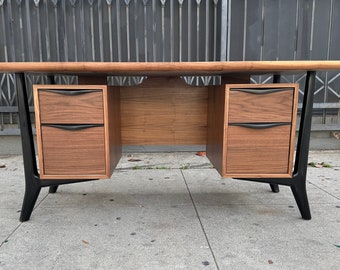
x: 163, y: 111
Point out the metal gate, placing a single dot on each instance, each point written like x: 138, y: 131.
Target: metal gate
x: 171, y: 30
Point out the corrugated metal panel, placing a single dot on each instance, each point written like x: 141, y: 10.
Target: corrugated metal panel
x: 166, y: 30
x: 108, y: 30
x: 290, y: 30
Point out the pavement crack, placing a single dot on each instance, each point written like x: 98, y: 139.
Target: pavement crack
x: 324, y: 190
x: 200, y: 221
x: 19, y: 225
x: 9, y: 236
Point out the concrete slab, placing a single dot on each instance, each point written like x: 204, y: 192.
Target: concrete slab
x: 12, y: 183
x: 263, y: 237
x: 144, y: 218
x: 9, y: 222
x: 108, y: 238
x: 326, y: 179
x: 208, y: 188
x: 172, y: 160
x: 249, y: 227
x: 330, y: 157
x: 135, y: 188
x: 12, y: 186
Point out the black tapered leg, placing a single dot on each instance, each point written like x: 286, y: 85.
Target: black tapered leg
x: 275, y: 188
x: 32, y: 181
x: 301, y: 161
x: 53, y: 189
x: 30, y: 198
x: 300, y: 195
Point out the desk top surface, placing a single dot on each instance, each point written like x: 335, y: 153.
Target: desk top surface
x: 169, y: 68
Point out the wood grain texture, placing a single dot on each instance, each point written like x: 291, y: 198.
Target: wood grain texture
x: 169, y: 68
x: 217, y: 119
x: 113, y: 127
x: 62, y: 109
x: 73, y: 154
x: 270, y: 107
x: 163, y: 111
x: 38, y: 131
x: 251, y: 152
x: 85, y: 154
x: 293, y: 128
x: 246, y: 152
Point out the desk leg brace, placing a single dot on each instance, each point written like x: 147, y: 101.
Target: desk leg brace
x: 33, y: 184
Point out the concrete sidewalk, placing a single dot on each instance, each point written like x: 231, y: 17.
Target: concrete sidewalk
x: 171, y: 211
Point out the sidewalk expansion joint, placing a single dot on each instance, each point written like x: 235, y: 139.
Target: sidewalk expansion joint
x: 324, y: 190
x: 200, y: 221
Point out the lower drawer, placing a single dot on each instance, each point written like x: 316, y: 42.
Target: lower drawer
x: 73, y: 153
x: 258, y: 152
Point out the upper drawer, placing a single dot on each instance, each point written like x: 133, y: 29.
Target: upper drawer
x: 69, y: 104
x: 254, y: 103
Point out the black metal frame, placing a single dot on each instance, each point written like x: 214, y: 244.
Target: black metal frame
x: 33, y: 184
x: 298, y: 181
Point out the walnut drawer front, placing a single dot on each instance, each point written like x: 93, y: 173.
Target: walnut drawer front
x: 78, y: 130
x: 63, y: 105
x: 256, y: 104
x: 79, y: 152
x: 260, y: 152
x: 251, y: 129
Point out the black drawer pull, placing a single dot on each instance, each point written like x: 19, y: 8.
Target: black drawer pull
x: 260, y: 125
x: 261, y: 91
x: 73, y: 127
x: 72, y: 92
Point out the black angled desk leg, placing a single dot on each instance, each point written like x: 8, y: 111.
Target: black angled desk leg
x: 301, y: 161
x: 32, y: 181
x: 275, y: 187
x: 52, y: 189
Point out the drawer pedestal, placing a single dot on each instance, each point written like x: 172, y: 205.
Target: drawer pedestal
x: 78, y: 131
x: 251, y: 129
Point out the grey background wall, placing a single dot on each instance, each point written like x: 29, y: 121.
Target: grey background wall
x: 172, y: 30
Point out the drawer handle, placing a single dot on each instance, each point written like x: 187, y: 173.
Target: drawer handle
x: 72, y: 92
x: 260, y: 125
x: 73, y: 127
x: 260, y: 91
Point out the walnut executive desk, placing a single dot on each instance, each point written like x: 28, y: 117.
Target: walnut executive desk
x: 81, y: 128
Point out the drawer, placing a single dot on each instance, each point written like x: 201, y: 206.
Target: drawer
x: 260, y: 104
x: 67, y: 153
x: 251, y: 130
x: 70, y: 106
x: 257, y: 152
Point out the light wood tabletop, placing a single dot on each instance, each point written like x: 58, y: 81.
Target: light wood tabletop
x: 170, y: 68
